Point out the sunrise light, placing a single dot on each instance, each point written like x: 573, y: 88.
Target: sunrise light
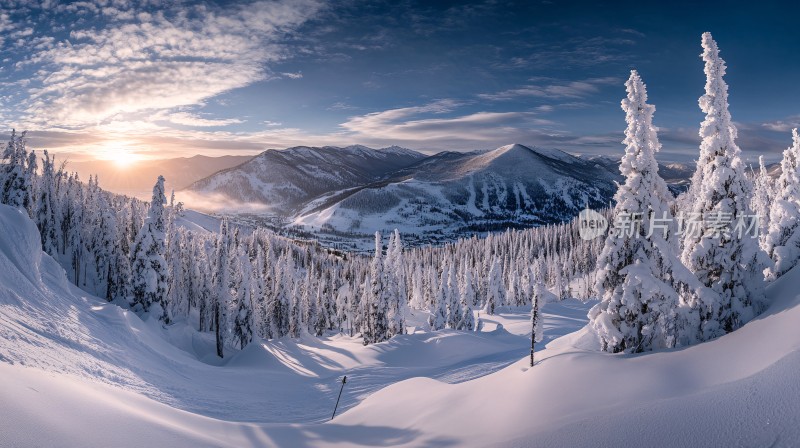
x: 121, y: 156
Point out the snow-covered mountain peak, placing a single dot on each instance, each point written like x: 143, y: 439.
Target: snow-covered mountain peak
x: 284, y: 180
x: 394, y: 149
x: 513, y: 185
x: 516, y: 150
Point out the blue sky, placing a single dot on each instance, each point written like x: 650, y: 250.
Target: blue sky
x: 151, y: 78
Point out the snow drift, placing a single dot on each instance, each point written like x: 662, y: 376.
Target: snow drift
x: 78, y: 371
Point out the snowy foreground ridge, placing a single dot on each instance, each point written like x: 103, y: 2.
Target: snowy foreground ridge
x: 77, y: 371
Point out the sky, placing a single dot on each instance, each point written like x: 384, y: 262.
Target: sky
x: 119, y: 79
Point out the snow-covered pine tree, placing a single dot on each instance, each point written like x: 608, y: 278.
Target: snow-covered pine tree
x: 395, y: 286
x: 296, y: 309
x: 516, y: 296
x: 149, y: 266
x: 259, y: 300
x: 467, y: 298
x: 438, y: 317
x: 526, y: 284
x: 429, y: 285
x: 495, y: 291
x: 468, y: 317
x: 378, y: 305
x: 279, y: 305
x: 104, y: 241
x: 89, y: 237
x: 321, y: 304
x: 244, y: 323
x: 763, y: 194
x: 308, y: 301
x: 48, y: 215
x: 344, y: 302
x: 119, y: 276
x: 783, y: 240
x: 637, y: 311
x: 364, y: 321
x: 730, y: 264
x: 454, y: 311
x: 15, y: 190
x: 417, y: 285
x: 204, y: 256
x: 267, y: 275
x: 468, y: 293
x: 72, y: 226
x: 176, y: 282
x: 537, y: 331
x: 221, y: 291
x: 29, y: 200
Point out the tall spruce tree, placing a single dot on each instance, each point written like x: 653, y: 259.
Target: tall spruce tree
x: 783, y: 240
x: 378, y: 327
x: 636, y: 267
x: 149, y: 265
x: 763, y: 195
x: 244, y: 319
x: 15, y: 190
x: 730, y: 264
x: 495, y: 291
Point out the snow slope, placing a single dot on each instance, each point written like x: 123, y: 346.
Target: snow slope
x: 738, y: 390
x: 77, y: 371
x: 68, y: 359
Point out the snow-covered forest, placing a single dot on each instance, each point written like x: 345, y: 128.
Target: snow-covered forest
x: 692, y: 280
x: 242, y: 283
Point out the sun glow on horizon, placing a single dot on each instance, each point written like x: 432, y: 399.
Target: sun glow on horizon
x: 121, y: 157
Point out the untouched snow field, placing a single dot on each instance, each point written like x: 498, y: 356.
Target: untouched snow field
x: 77, y: 371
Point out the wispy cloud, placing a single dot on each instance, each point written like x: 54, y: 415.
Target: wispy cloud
x: 785, y: 125
x: 438, y: 125
x: 127, y: 64
x: 576, y: 52
x: 382, y: 122
x: 341, y: 105
x: 553, y: 89
x: 189, y: 119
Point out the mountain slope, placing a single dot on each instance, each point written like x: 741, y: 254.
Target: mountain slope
x: 78, y: 371
x: 284, y: 180
x: 513, y: 185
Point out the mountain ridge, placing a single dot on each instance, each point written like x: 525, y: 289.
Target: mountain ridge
x: 285, y: 180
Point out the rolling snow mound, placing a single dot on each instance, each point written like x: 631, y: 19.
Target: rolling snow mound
x: 77, y: 371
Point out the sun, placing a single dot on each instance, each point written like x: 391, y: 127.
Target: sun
x: 122, y: 158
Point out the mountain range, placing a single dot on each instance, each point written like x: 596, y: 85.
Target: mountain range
x: 354, y: 191
x: 284, y: 181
